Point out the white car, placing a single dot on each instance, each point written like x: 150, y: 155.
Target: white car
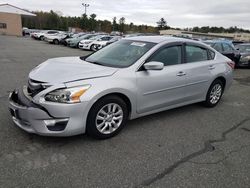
x: 56, y: 38
x: 89, y: 43
x: 40, y: 35
x: 101, y: 44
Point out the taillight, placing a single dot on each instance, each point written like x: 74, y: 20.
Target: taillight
x: 231, y: 64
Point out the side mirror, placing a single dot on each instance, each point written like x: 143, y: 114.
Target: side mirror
x: 153, y: 65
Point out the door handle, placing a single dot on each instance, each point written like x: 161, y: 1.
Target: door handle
x: 181, y: 73
x: 211, y: 67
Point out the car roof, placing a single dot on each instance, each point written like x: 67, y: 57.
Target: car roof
x: 159, y: 39
x: 218, y: 41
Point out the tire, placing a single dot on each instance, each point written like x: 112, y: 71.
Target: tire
x: 56, y: 41
x: 41, y: 38
x: 214, y: 94
x: 102, y: 125
x: 92, y: 47
x: 77, y: 46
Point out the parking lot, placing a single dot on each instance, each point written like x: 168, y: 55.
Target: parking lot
x: 190, y: 146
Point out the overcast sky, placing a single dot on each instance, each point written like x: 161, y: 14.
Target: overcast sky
x: 178, y: 13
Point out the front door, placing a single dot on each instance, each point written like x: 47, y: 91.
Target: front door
x: 162, y: 88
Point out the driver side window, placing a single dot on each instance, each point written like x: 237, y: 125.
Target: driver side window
x: 168, y: 56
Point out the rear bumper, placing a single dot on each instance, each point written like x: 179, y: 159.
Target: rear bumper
x: 49, y: 120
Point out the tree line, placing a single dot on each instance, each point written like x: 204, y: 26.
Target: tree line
x: 53, y: 20
x: 207, y: 29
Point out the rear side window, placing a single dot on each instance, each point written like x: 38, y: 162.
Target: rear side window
x: 211, y: 54
x: 168, y: 56
x: 196, y: 54
x: 217, y: 47
x: 227, y: 47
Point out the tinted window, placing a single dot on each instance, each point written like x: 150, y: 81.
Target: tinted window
x: 227, y: 48
x: 168, y: 56
x: 195, y: 54
x: 105, y: 38
x: 218, y: 47
x: 52, y: 32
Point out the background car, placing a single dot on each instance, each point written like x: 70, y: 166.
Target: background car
x: 69, y: 35
x: 55, y: 38
x: 40, y: 35
x: 75, y: 40
x: 226, y: 48
x: 244, y: 50
x: 101, y: 44
x: 89, y: 44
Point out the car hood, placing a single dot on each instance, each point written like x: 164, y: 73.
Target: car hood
x: 68, y: 69
x: 86, y: 40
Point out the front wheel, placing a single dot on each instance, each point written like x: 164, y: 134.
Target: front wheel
x: 214, y: 94
x: 107, y: 117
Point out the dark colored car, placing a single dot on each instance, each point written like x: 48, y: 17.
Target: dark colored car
x: 63, y: 41
x: 244, y: 50
x: 226, y: 48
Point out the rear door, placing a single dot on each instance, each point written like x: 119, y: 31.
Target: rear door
x: 199, y: 65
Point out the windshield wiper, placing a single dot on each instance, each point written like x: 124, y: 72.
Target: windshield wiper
x: 95, y: 62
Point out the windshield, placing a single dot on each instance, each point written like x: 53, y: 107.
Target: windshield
x: 243, y: 48
x: 120, y: 54
x: 89, y: 37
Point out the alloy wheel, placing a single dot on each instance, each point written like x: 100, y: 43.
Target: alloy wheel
x: 216, y: 93
x: 109, y: 118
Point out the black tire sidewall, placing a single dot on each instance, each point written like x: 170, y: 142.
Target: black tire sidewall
x: 56, y: 41
x: 91, y: 126
x: 92, y: 47
x: 208, y: 102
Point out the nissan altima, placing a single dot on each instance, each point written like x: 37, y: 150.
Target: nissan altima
x: 128, y: 79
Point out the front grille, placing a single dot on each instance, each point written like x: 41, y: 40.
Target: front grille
x: 35, y: 87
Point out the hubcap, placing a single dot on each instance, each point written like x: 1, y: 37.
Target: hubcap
x: 215, y: 93
x: 109, y: 118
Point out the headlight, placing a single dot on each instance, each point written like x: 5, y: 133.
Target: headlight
x: 245, y: 58
x: 68, y: 95
x: 87, y: 42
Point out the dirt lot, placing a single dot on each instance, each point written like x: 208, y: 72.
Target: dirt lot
x: 190, y: 146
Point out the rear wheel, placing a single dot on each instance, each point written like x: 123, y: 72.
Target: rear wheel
x: 56, y: 41
x: 214, y: 93
x: 107, y: 117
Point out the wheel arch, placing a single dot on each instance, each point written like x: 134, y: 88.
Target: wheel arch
x: 223, y: 80
x: 123, y: 96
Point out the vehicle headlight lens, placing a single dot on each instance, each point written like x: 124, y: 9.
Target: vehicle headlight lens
x: 88, y: 42
x: 246, y: 58
x: 68, y: 95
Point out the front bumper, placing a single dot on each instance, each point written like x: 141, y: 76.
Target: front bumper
x: 50, y: 119
x: 243, y: 63
x: 71, y: 44
x: 84, y: 46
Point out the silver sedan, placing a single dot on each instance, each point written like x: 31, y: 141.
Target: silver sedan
x: 131, y: 78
